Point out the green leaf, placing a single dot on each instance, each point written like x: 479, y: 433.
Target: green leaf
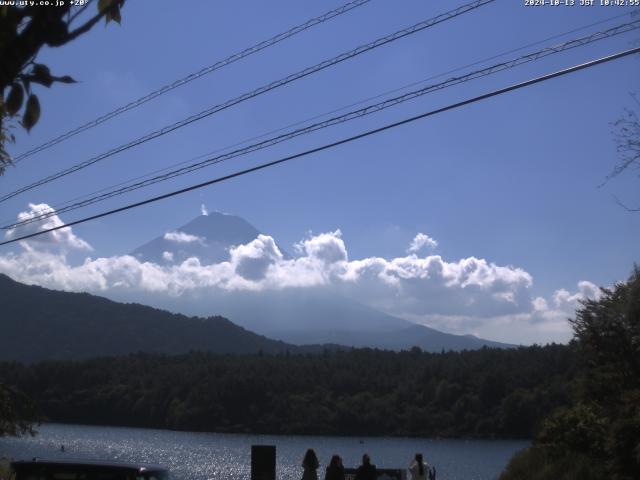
x: 114, y: 14
x: 41, y: 75
x: 40, y: 69
x: 110, y: 9
x: 15, y: 99
x: 103, y: 5
x: 66, y: 79
x: 31, y: 113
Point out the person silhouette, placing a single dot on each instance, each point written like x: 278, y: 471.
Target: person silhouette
x: 335, y: 470
x: 310, y: 465
x: 366, y: 471
x: 417, y: 468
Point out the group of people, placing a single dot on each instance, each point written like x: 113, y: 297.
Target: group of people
x: 418, y: 469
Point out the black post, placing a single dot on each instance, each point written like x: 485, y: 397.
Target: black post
x: 263, y: 462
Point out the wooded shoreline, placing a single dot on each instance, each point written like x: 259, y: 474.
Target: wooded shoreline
x: 488, y: 393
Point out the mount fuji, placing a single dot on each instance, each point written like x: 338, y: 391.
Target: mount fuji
x: 294, y: 315
x: 206, y: 237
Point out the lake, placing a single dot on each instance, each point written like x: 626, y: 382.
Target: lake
x: 216, y: 456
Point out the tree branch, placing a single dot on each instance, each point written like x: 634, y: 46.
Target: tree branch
x: 626, y: 207
x: 84, y: 28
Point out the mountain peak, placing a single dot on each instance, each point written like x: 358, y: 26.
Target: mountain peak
x: 222, y: 228
x: 207, y: 237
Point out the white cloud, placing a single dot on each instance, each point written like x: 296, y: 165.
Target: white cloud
x: 203, y: 210
x: 327, y: 248
x: 421, y: 242
x: 182, y: 237
x: 409, y: 286
x: 539, y: 304
x: 547, y: 321
x: 586, y: 290
x: 63, y: 238
x: 469, y: 295
x: 253, y: 260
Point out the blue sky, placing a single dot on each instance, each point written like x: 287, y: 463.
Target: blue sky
x: 513, y: 180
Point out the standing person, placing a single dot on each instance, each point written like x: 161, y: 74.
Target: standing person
x: 417, y: 468
x: 310, y: 465
x: 366, y: 471
x: 335, y: 470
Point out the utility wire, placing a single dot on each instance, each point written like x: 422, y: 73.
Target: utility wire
x: 343, y: 141
x: 195, y: 75
x: 373, y: 108
x: 324, y: 114
x: 265, y: 88
x: 321, y: 115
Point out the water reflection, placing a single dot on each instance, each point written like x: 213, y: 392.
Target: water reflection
x: 211, y: 456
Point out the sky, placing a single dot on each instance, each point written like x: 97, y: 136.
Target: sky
x: 514, y: 182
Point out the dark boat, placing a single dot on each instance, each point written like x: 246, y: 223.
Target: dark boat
x: 80, y: 469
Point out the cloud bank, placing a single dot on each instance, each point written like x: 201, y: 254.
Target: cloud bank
x: 468, y: 295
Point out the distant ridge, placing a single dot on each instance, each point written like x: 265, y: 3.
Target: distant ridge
x: 41, y: 324
x: 306, y: 316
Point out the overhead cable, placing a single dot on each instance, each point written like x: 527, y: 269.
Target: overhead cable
x: 343, y: 141
x: 361, y: 112
x: 254, y: 93
x: 347, y: 7
x: 76, y: 199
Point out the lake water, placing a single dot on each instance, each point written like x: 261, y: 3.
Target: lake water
x: 215, y: 456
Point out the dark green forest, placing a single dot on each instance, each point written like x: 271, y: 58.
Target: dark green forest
x: 598, y: 435
x: 483, y: 393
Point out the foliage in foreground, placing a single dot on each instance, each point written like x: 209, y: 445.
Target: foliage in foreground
x: 485, y: 393
x: 537, y: 463
x: 627, y: 136
x: 26, y: 27
x: 5, y: 468
x: 598, y: 436
x: 17, y: 412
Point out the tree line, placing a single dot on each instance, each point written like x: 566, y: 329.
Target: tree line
x: 598, y: 434
x: 488, y: 393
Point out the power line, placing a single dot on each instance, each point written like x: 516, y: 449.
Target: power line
x: 195, y: 75
x: 343, y: 141
x: 373, y: 108
x: 265, y: 88
x: 315, y: 117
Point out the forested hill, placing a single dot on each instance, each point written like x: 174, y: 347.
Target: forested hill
x: 482, y: 393
x: 41, y: 324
